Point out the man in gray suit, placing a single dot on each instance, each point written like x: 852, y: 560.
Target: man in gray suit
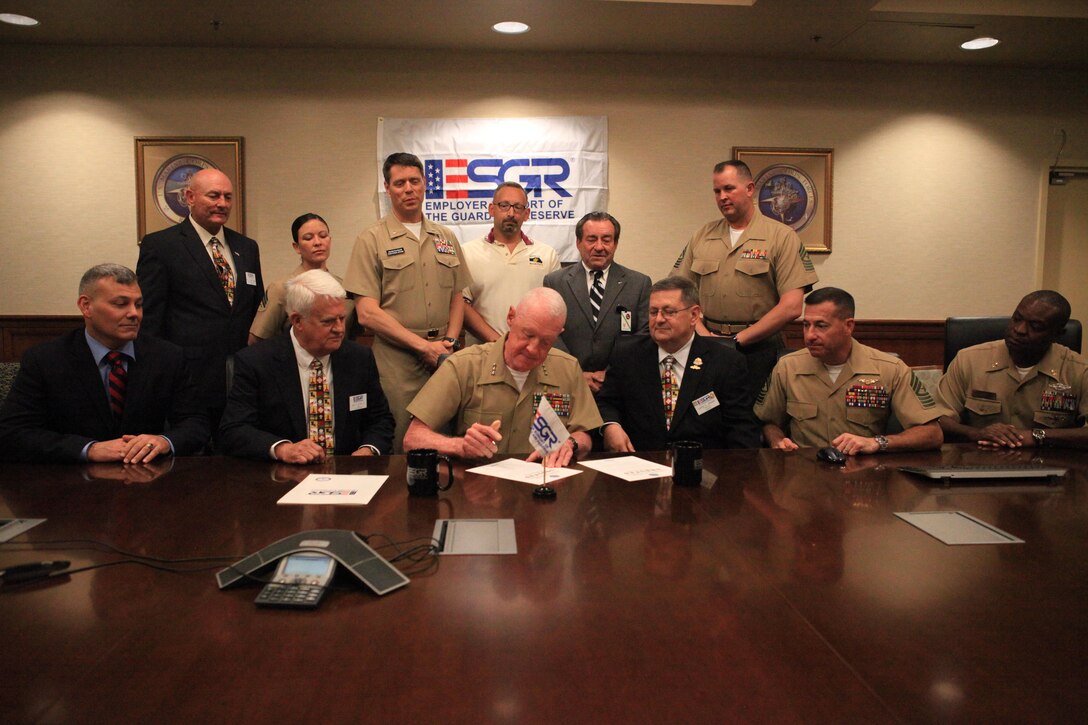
x: 604, y: 300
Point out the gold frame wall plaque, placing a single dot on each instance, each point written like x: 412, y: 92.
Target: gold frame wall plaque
x: 793, y: 186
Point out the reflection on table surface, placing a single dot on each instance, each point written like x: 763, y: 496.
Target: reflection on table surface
x: 783, y: 590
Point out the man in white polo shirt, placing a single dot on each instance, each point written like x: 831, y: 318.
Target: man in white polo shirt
x: 505, y: 265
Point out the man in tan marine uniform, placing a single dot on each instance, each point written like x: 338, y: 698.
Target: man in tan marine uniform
x: 407, y: 273
x: 841, y: 393
x: 1025, y: 390
x: 491, y: 391
x: 752, y: 272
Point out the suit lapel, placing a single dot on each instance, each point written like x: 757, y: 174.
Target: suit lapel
x: 89, y: 379
x: 692, y: 381
x: 285, y: 370
x: 199, y: 253
x: 342, y: 391
x: 576, y: 278
x: 616, y: 279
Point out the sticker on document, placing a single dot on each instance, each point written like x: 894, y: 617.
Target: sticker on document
x: 357, y: 402
x: 251, y: 279
x: 625, y: 320
x: 705, y: 403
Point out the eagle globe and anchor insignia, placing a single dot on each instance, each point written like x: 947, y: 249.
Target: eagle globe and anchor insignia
x: 786, y: 194
x: 171, y: 180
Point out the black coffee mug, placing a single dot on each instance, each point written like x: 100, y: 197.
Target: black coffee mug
x: 423, y: 472
x: 687, y: 463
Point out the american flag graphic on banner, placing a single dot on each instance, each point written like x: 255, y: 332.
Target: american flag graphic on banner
x: 444, y: 173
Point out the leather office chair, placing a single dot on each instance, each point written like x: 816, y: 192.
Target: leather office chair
x: 961, y: 332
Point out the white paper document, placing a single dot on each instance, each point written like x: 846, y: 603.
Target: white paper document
x: 514, y: 469
x: 956, y: 527
x: 10, y: 528
x: 330, y: 489
x: 629, y: 468
x: 475, y: 536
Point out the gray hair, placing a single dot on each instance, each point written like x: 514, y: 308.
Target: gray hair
x: 545, y: 300
x: 689, y: 293
x: 117, y: 272
x: 304, y: 289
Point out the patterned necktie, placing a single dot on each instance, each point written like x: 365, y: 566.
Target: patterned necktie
x: 226, y: 276
x: 117, y: 382
x: 596, y: 294
x: 320, y: 408
x: 669, y: 389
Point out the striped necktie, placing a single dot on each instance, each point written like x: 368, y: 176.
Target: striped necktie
x: 596, y: 294
x: 117, y: 382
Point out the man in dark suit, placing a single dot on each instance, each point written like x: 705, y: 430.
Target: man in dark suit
x: 202, y: 285
x: 101, y: 393
x: 675, y: 385
x: 605, y: 301
x: 302, y: 396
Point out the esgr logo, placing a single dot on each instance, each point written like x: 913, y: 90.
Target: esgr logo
x: 477, y: 178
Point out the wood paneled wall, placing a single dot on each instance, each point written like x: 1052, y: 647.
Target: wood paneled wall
x: 917, y: 342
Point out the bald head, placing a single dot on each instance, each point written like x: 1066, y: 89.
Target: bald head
x: 534, y: 325
x: 210, y: 196
x: 543, y: 301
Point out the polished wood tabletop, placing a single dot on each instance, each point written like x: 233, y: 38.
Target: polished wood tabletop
x: 782, y: 590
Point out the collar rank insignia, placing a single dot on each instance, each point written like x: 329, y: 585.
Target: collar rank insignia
x: 560, y: 402
x: 494, y: 368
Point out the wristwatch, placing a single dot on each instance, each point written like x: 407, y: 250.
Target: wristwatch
x: 881, y: 441
x: 1039, y: 434
x: 573, y: 447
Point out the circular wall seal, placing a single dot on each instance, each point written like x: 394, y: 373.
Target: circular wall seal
x: 170, y: 182
x: 786, y: 193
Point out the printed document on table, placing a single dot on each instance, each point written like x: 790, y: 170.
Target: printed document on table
x: 331, y: 489
x: 515, y: 469
x: 956, y: 527
x: 629, y: 468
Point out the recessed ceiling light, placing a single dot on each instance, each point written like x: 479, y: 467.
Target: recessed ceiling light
x: 511, y: 27
x: 13, y: 19
x: 980, y: 43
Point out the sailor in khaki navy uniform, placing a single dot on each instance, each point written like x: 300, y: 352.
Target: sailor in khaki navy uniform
x: 1025, y: 390
x: 841, y: 393
x: 752, y: 272
x: 407, y: 275
x: 491, y: 391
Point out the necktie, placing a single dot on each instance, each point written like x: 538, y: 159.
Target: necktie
x: 596, y: 294
x: 669, y: 389
x: 226, y: 276
x: 117, y: 382
x: 320, y: 408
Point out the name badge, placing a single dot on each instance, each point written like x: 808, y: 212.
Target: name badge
x: 251, y: 279
x: 706, y: 403
x: 625, y: 320
x: 357, y: 402
x: 394, y: 252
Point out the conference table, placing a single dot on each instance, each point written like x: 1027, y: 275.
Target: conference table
x: 782, y: 590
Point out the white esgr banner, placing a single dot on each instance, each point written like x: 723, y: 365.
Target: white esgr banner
x: 562, y: 163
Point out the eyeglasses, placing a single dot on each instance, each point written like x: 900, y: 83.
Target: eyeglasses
x: 507, y: 206
x: 667, y: 312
